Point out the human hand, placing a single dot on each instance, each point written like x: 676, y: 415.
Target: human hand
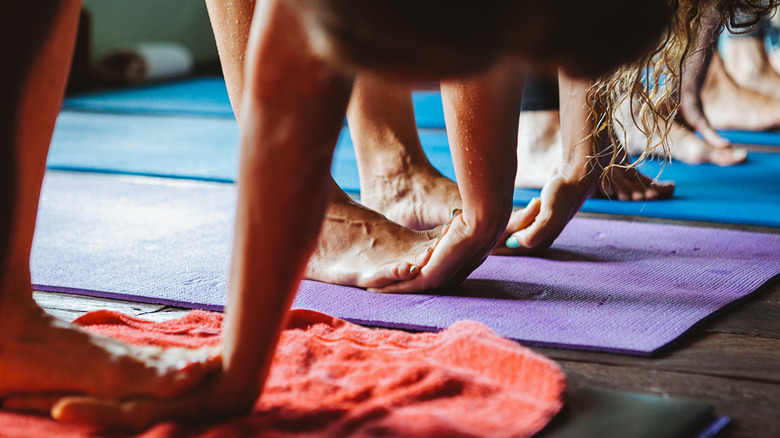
x: 629, y: 184
x: 535, y: 227
x: 464, y: 244
x: 214, y: 400
x: 43, y: 359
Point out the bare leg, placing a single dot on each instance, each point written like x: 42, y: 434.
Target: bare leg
x: 538, y: 147
x: 292, y: 113
x: 481, y: 114
x: 685, y: 145
x: 396, y: 178
x: 745, y: 59
x: 729, y: 106
x: 38, y: 354
x: 694, y: 73
x: 539, y: 157
x: 358, y: 247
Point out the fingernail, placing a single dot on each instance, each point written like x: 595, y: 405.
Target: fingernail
x: 413, y: 268
x: 429, y: 249
x: 447, y: 224
x: 439, y: 236
x: 454, y: 210
x: 512, y: 243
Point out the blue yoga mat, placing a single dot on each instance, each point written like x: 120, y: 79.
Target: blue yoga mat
x: 208, y: 97
x: 206, y: 148
x: 184, y: 147
x: 758, y: 138
x: 748, y: 193
x: 193, y: 97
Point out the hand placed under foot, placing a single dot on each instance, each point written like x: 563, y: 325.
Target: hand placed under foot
x: 42, y: 357
x: 464, y: 245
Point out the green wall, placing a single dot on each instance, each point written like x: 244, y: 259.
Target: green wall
x: 117, y: 22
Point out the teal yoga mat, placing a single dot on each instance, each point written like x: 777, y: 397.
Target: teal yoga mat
x: 206, y: 149
x: 186, y: 130
x: 757, y: 138
x: 208, y: 97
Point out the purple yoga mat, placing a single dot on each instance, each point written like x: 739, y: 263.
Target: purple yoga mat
x: 605, y: 285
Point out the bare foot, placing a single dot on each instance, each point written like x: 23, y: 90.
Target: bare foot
x: 774, y: 59
x: 463, y: 247
x: 40, y: 355
x: 418, y: 196
x: 360, y: 247
x: 689, y: 148
x: 747, y: 62
x: 729, y: 106
x: 684, y: 144
x: 538, y: 147
x: 539, y: 152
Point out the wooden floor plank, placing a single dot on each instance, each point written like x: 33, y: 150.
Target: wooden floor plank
x: 68, y: 307
x: 80, y: 303
x: 738, y: 356
x: 759, y: 315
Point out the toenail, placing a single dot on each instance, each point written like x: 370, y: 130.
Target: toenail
x: 454, y: 210
x: 512, y: 243
x: 429, y: 249
x: 447, y: 224
x: 413, y: 268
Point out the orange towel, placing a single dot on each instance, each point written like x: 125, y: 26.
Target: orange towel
x: 333, y: 378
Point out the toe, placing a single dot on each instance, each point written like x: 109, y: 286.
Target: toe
x: 390, y: 274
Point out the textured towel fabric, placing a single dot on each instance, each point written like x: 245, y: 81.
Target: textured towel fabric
x: 605, y: 285
x: 330, y: 378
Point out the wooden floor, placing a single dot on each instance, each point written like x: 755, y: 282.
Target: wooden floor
x: 732, y: 362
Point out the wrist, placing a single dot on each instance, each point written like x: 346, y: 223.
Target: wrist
x: 487, y: 220
x: 584, y: 176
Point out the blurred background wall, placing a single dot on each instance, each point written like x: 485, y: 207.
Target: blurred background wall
x: 118, y: 22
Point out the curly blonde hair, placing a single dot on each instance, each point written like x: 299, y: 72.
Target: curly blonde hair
x: 652, y: 83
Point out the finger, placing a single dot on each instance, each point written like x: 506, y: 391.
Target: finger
x: 520, y: 219
x: 107, y: 413
x: 38, y: 403
x: 139, y: 414
x: 541, y: 234
x: 605, y: 189
x: 661, y: 190
x: 621, y: 188
x: 713, y: 139
x: 446, y: 266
